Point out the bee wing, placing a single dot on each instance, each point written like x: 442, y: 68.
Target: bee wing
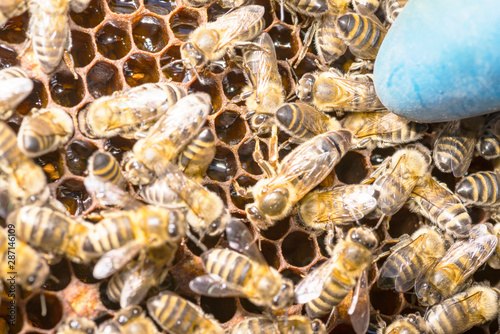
x: 214, y: 286
x: 109, y: 194
x: 357, y: 101
x: 359, y: 311
x: 137, y: 285
x: 115, y: 259
x: 328, y: 44
x: 474, y: 299
x: 236, y: 23
x: 452, y: 139
x: 240, y: 239
x: 311, y: 286
x: 377, y: 124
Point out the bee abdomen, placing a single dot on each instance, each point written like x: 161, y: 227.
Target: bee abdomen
x: 105, y: 168
x: 10, y: 153
x: 174, y: 313
x: 362, y: 35
x: 310, y: 7
x: 489, y: 146
x: 109, y: 234
x: 294, y: 121
x: 393, y: 8
x: 401, y: 268
x: 333, y: 293
x: 449, y: 152
x: 174, y: 92
x: 199, y: 153
x: 480, y: 188
x: 231, y: 266
x: 115, y: 286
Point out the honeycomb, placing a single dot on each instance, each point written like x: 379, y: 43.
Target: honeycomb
x: 121, y: 44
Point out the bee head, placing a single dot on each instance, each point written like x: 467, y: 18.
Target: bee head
x: 427, y: 294
x: 82, y: 325
x: 135, y: 171
x: 318, y: 327
x: 39, y: 276
x: 305, y: 87
x: 219, y: 225
x: 284, y: 297
x: 192, y: 57
x: 261, y: 122
x: 363, y: 236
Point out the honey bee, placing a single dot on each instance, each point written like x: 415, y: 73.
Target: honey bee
x: 299, y: 172
x: 122, y: 234
x: 206, y: 211
x: 179, y: 316
x: 167, y: 138
x: 127, y: 321
x: 454, y: 148
x: 128, y: 113
x: 392, y: 8
x: 77, y: 325
x: 44, y: 131
x: 494, y: 260
x: 325, y: 287
x: 480, y: 189
x: 15, y: 86
x: 49, y: 30
x: 410, y: 259
x: 103, y: 167
x: 284, y: 325
x: 198, y: 154
x: 50, y: 231
x: 433, y: 200
x: 242, y: 273
x: 333, y: 91
x: 410, y: 324
x: 264, y: 93
x: 130, y: 284
x: 362, y: 32
x: 212, y: 40
x: 329, y: 45
x: 31, y: 267
x: 27, y: 181
x: 222, y: 3
x: 322, y: 209
x: 370, y: 5
x: 395, y: 179
x: 475, y: 306
x: 11, y: 8
x: 461, y: 260
x: 382, y: 129
x: 488, y: 145
x: 303, y: 122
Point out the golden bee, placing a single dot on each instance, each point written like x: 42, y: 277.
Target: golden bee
x: 410, y: 259
x: 212, y: 40
x: 283, y: 325
x: 78, y: 325
x: 462, y: 259
x: 382, y: 129
x: 179, y: 316
x: 103, y: 167
x: 326, y: 286
x: 51, y: 231
x: 129, y: 320
x: 49, y: 30
x: 303, y: 122
x: 480, y: 189
x: 15, y: 86
x: 197, y: 155
x: 11, y: 8
x: 128, y: 113
x: 433, y: 200
x: 242, y: 272
x: 393, y: 8
x: 44, y: 131
x: 130, y: 284
x: 454, y: 148
x: 30, y: 266
x: 395, y: 179
x: 167, y: 138
x: 488, y: 145
x: 475, y: 306
x: 323, y: 209
x: 333, y: 91
x: 27, y: 182
x: 299, y: 172
x: 410, y: 324
x: 329, y: 45
x: 264, y: 93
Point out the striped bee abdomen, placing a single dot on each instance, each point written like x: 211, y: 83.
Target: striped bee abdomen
x: 361, y: 34
x: 480, y: 188
x: 110, y: 233
x: 229, y: 265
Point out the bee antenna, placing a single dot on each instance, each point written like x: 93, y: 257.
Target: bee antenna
x: 164, y: 67
x: 202, y: 81
x: 380, y: 222
x: 197, y: 241
x: 295, y: 77
x: 330, y: 317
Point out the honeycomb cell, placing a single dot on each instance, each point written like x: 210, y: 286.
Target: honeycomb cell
x: 74, y: 196
x: 183, y: 22
x: 123, y: 6
x: 112, y: 40
x: 298, y: 249
x: 307, y: 65
x: 268, y: 12
x: 14, y: 30
x: 77, y: 154
x: 292, y: 274
x: 82, y: 49
x: 172, y: 67
x: 223, y: 309
x: 140, y: 69
x: 344, y: 329
x: 210, y: 87
x: 90, y: 17
x: 149, y: 35
x: 251, y: 307
x: 230, y: 127
x: 160, y: 7
x: 44, y: 314
x: 223, y: 167
x: 52, y: 164
x: 486, y: 273
x: 278, y: 230
x: 8, y: 57
x: 37, y: 99
x: 479, y: 164
x: 60, y: 276
x: 270, y: 253
x: 284, y: 42
x: 403, y: 222
x: 84, y: 273
x: 239, y: 201
x: 117, y: 146
x: 351, y: 169
x: 214, y: 11
x: 246, y: 159
x: 233, y: 84
x: 387, y: 302
x: 379, y: 154
x: 476, y: 214
x: 103, y: 79
x: 286, y: 80
x: 65, y: 90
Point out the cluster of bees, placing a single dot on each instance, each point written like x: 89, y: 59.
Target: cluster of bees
x: 134, y: 241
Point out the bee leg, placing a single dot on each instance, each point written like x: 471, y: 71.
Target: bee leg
x: 307, y: 42
x: 258, y: 157
x: 273, y: 147
x: 243, y: 192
